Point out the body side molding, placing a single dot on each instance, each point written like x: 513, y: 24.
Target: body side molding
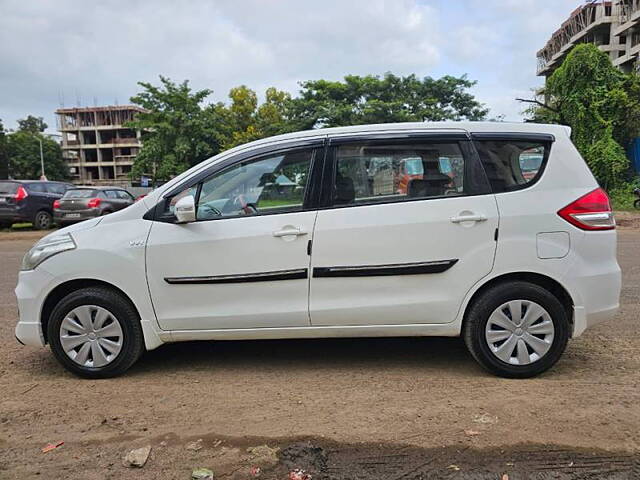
x: 297, y: 274
x: 418, y: 268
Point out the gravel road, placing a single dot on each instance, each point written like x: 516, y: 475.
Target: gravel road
x: 340, y: 409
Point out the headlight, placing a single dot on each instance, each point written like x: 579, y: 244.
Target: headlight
x: 47, y: 248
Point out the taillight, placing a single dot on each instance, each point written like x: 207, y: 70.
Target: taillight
x: 94, y: 203
x: 56, y: 204
x: 590, y: 212
x: 21, y: 194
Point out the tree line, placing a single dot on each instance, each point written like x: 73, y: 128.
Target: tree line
x: 20, y: 152
x: 180, y: 128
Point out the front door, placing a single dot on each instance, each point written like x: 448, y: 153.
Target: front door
x: 393, y: 248
x: 244, y: 262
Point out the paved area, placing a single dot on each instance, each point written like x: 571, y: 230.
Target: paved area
x: 366, y: 408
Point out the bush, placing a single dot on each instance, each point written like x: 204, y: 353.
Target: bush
x: 622, y: 197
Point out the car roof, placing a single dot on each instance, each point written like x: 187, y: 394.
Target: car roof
x: 33, y: 181
x: 467, y: 127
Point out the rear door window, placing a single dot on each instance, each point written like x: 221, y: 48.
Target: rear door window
x: 57, y: 188
x: 512, y: 164
x: 124, y: 195
x: 37, y: 187
x: 112, y: 194
x: 382, y: 172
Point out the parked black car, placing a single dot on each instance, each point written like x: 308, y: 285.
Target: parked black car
x: 29, y: 201
x: 81, y: 203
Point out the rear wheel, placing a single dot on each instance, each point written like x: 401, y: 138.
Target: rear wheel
x: 43, y: 220
x: 516, y: 330
x: 95, y: 333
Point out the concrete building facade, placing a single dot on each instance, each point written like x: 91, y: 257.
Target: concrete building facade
x: 96, y: 145
x: 596, y: 22
x: 614, y: 26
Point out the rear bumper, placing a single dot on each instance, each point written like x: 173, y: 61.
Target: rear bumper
x: 69, y: 216
x: 595, y: 282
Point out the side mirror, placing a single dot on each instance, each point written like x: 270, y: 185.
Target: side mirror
x: 185, y: 209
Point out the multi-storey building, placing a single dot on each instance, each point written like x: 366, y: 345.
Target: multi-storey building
x: 614, y: 26
x: 96, y: 145
x: 627, y: 29
x: 594, y: 22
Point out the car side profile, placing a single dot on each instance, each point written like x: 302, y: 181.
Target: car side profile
x: 82, y: 203
x: 29, y: 201
x: 501, y: 236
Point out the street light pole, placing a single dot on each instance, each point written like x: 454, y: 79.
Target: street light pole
x: 43, y: 177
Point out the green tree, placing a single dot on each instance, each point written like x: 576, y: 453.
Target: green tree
x: 600, y: 103
x: 23, y: 151
x: 32, y: 124
x: 178, y: 131
x: 371, y: 99
x: 247, y: 121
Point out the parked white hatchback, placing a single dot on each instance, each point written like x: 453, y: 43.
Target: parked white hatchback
x: 495, y: 232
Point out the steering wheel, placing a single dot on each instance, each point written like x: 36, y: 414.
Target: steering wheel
x: 248, y: 208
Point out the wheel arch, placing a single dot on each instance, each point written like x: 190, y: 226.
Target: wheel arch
x: 65, y: 288
x: 544, y: 281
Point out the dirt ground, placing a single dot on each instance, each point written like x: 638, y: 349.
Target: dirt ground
x: 339, y: 409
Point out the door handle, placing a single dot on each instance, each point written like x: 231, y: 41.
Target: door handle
x: 289, y: 231
x: 468, y: 218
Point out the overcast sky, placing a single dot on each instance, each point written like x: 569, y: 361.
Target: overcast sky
x: 80, y: 52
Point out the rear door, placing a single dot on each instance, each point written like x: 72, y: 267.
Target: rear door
x: 39, y: 198
x: 390, y: 249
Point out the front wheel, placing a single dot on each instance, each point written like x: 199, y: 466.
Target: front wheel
x: 516, y: 329
x: 95, y: 333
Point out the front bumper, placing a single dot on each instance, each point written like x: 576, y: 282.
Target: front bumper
x: 33, y: 286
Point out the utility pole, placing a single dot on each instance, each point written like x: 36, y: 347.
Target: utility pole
x: 42, y: 176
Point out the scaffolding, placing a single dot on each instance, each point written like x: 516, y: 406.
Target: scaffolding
x: 578, y: 22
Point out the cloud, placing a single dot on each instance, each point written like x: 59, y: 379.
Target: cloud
x: 69, y: 51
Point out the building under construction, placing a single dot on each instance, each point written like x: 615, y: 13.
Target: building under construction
x: 97, y: 146
x: 614, y: 26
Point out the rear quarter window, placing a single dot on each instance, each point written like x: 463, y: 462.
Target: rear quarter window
x: 512, y: 164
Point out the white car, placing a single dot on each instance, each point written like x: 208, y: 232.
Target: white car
x: 499, y: 234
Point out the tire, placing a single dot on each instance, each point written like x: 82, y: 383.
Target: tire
x: 96, y: 300
x: 477, y: 332
x: 43, y: 220
x: 637, y: 203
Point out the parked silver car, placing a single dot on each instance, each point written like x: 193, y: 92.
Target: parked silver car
x: 81, y: 203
